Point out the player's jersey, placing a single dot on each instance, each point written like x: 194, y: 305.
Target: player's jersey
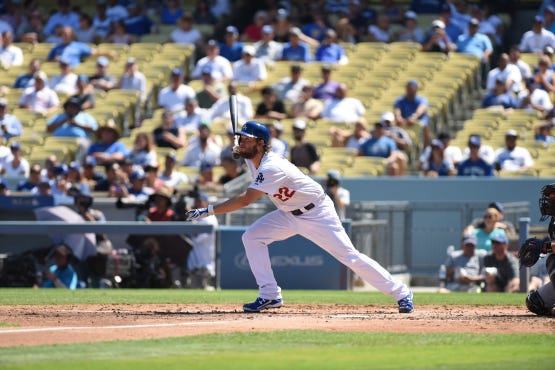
x: 288, y: 188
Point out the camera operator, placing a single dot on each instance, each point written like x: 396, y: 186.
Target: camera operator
x: 341, y: 197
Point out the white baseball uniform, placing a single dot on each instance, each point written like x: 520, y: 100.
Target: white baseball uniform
x: 295, y: 193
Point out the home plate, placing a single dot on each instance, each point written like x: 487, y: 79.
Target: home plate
x: 346, y: 316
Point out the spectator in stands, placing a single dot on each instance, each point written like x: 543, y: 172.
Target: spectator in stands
x: 478, y: 44
x: 500, y: 97
x: 137, y: 190
x: 307, y: 107
x: 102, y: 80
x: 506, y: 72
x: 189, y: 119
x: 203, y: 13
x: 411, y: 31
x: 534, y: 99
x: 186, y: 33
x: 270, y: 107
x: 381, y: 145
x: 31, y: 183
x: 151, y: 176
x: 451, y: 28
x: 490, y: 23
x: 350, y: 139
x: 412, y: 109
x: 346, y: 31
x: 381, y: 31
x: 545, y: 76
x: 543, y: 133
x: 232, y: 170
x: 108, y: 148
x: 173, y: 96
x: 76, y: 183
x: 474, y: 165
x: 10, y: 55
x: 85, y: 33
x: 90, y: 175
x: 398, y: 134
x: 231, y: 48
x: 31, y: 28
x: 64, y: 16
x: 212, y: 90
x: 66, y: 82
x: 317, y: 28
x: 277, y: 145
x: 253, y: 31
x: 437, y: 164
x: 40, y: 98
x: 502, y: 269
x: 523, y: 67
x: 220, y: 67
x: 133, y: 79
x: 118, y: 34
x: 115, y: 10
x: 15, y: 165
x: 61, y: 274
x: 220, y: 109
x: 465, y: 267
x: 512, y: 157
x: 327, y: 88
x: 535, y: 40
x: 438, y: 40
x: 5, y: 26
x: 281, y: 26
x: 101, y: 23
x: 289, y: 88
x: 85, y: 92
x: 73, y: 50
x: 167, y: 134
x: 202, y: 148
x: 73, y: 122
x: 343, y: 108
x: 549, y: 18
x: 451, y: 152
x: 329, y: 51
x: 137, y: 23
x: 171, y: 12
x: 143, y: 151
x: 170, y: 176
x: 303, y: 153
x: 249, y: 69
x: 295, y: 50
x: 24, y: 81
x: 548, y: 52
x: 9, y: 123
x: 267, y: 49
x: 486, y: 152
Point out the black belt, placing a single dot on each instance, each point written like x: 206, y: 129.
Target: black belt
x: 300, y: 211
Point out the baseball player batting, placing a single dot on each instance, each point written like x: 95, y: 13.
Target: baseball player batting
x: 302, y: 208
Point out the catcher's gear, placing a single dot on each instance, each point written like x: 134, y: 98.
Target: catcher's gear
x: 547, y: 204
x: 535, y: 304
x: 531, y: 250
x: 198, y: 213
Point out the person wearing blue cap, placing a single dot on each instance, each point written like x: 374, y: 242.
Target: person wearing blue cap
x: 85, y: 92
x: 220, y: 67
x: 501, y: 266
x: 267, y: 49
x: 475, y: 165
x: 465, y: 267
x: 231, y: 48
x: 136, y: 189
x: 173, y: 96
x: 102, y: 79
x: 536, y: 39
x: 411, y: 110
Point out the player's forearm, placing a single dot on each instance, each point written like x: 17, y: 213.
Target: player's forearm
x: 233, y: 204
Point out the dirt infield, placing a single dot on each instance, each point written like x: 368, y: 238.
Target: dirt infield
x: 35, y: 325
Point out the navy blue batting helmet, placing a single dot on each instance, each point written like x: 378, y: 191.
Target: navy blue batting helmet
x: 255, y: 129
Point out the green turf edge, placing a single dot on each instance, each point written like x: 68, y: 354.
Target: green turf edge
x: 296, y: 350
x: 29, y: 296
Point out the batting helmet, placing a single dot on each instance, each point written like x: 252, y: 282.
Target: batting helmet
x: 255, y: 129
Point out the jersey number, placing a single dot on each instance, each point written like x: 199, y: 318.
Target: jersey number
x: 284, y: 194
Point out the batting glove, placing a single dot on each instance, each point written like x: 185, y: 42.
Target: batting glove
x: 198, y: 213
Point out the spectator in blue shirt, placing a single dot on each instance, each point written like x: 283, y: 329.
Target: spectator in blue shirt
x: 9, y: 124
x: 137, y: 23
x: 108, y: 149
x: 61, y: 274
x: 475, y: 165
x: 231, y: 49
x: 437, y: 164
x: 72, y: 50
x: 329, y: 51
x: 381, y: 145
x: 478, y: 44
x: 295, y: 49
x: 499, y: 97
x: 171, y: 12
x: 543, y: 134
x: 26, y: 80
x: 412, y: 109
x: 64, y: 16
x: 317, y: 28
x: 452, y: 30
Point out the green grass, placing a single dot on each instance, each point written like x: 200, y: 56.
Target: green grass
x: 296, y: 350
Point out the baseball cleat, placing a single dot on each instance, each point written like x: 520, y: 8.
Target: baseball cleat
x: 262, y: 304
x: 405, y: 304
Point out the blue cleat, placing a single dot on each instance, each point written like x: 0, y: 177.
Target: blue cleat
x: 262, y: 304
x: 405, y: 304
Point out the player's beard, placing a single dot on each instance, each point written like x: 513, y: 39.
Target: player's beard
x: 249, y: 153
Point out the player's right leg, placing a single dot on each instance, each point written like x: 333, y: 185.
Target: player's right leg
x: 542, y: 301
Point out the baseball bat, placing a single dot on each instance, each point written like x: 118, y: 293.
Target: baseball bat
x: 234, y: 121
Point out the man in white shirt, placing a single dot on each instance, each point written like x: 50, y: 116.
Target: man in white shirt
x: 190, y: 118
x: 507, y: 72
x: 15, y: 165
x: 169, y: 175
x: 9, y: 124
x: 66, y: 82
x: 202, y: 149
x: 535, y: 40
x: 173, y: 97
x: 267, y: 49
x: 514, y: 57
x: 40, y: 98
x: 133, y: 79
x: 342, y: 108
x: 221, y: 67
x: 534, y: 99
x: 249, y: 68
x: 290, y: 88
x: 186, y: 33
x: 10, y: 55
x: 513, y: 158
x: 220, y: 109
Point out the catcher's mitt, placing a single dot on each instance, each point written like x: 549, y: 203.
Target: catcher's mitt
x: 531, y: 250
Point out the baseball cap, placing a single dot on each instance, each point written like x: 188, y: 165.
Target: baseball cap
x: 206, y: 166
x: 474, y: 21
x: 299, y: 124
x: 470, y: 239
x: 40, y: 75
x: 437, y: 143
x: 278, y: 126
x: 102, y: 61
x: 413, y: 83
x: 445, y: 8
x: 475, y: 140
x: 548, y: 50
x: 438, y: 23
x: 444, y: 136
x: 498, y: 206
x: 131, y: 60
x: 249, y: 49
x: 65, y: 60
x: 539, y: 19
x: 137, y: 175
x: 267, y: 29
x: 232, y: 29
x: 3, y: 102
x: 191, y: 100
x: 15, y: 146
x: 74, y: 166
x: 212, y: 42
x: 207, y: 69
x: 549, y: 8
x: 511, y: 133
x: 296, y: 68
x: 334, y: 174
x: 172, y: 156
x: 500, y: 237
x: 90, y: 161
x: 295, y: 31
x: 177, y: 72
x: 60, y: 169
x: 281, y: 14
x: 410, y: 15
